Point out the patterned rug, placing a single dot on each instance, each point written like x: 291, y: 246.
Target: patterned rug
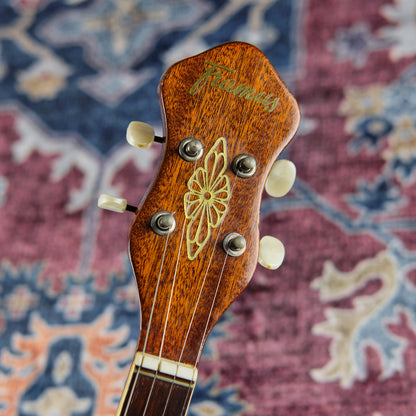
x: 333, y: 331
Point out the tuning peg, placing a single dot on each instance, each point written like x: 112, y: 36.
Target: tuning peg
x: 271, y: 252
x: 281, y: 178
x: 115, y: 204
x: 142, y: 135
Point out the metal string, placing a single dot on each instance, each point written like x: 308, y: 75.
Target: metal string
x: 150, y: 320
x: 201, y: 346
x: 196, y: 307
x: 167, y: 317
x: 168, y: 312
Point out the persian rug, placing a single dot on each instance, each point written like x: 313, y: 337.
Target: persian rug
x: 333, y: 331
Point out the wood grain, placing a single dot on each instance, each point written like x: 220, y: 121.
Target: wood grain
x: 193, y: 294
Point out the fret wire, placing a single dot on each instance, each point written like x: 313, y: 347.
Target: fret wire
x: 167, y: 379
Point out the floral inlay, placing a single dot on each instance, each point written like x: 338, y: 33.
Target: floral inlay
x: 206, y: 201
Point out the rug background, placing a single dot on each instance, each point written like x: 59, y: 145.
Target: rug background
x: 333, y: 331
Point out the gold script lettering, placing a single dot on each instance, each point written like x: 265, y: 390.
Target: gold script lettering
x: 215, y: 73
x: 209, y: 71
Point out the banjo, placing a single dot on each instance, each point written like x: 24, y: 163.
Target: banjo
x: 194, y: 240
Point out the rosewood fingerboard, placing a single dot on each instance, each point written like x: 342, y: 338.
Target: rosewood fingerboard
x: 231, y: 99
x: 149, y: 395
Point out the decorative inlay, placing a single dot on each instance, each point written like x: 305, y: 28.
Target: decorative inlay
x: 206, y: 201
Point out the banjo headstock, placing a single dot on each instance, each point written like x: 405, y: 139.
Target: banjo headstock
x: 194, y: 241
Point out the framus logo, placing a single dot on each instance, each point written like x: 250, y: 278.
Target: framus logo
x: 217, y: 74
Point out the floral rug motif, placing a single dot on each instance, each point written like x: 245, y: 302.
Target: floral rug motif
x: 333, y: 331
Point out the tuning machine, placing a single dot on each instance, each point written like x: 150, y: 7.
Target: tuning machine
x: 163, y: 222
x: 244, y: 166
x: 115, y: 204
x: 234, y: 244
x: 142, y: 135
x: 191, y: 149
x: 281, y: 178
x: 271, y: 252
x: 279, y: 182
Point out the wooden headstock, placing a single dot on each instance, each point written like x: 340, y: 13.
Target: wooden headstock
x: 222, y: 105
x: 232, y: 100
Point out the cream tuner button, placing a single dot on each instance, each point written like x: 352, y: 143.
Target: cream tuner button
x: 271, y: 252
x: 281, y: 178
x: 140, y: 134
x: 112, y: 203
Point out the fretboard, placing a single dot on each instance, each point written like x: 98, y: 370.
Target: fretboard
x: 150, y: 392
